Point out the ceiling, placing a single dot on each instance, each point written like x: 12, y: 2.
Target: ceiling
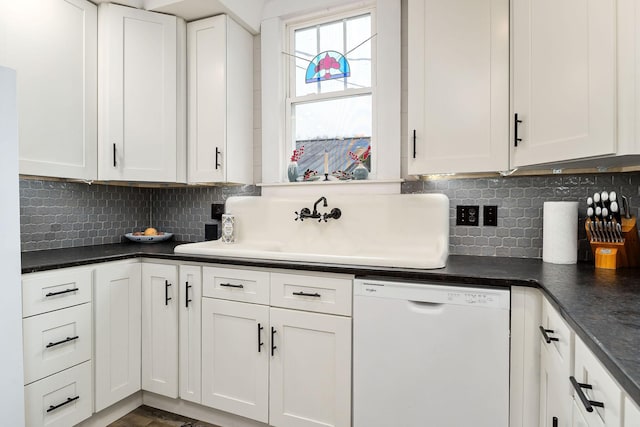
x: 247, y: 13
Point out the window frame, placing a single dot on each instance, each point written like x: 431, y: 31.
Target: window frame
x: 290, y: 79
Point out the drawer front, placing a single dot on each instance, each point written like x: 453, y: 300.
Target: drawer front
x: 561, y: 338
x: 61, y: 400
x: 588, y: 370
x: 236, y: 284
x: 56, y: 341
x: 53, y: 290
x: 312, y: 293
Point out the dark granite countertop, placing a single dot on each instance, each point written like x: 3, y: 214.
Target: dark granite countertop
x: 602, y: 306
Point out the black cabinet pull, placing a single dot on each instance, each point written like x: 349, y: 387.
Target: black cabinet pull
x: 588, y: 404
x: 554, y: 422
x: 414, y: 143
x: 167, y: 298
x: 66, y: 402
x: 114, y: 155
x: 260, y: 343
x: 515, y: 130
x: 231, y: 285
x: 305, y: 294
x: 53, y: 344
x: 217, y: 156
x: 273, y: 347
x: 186, y: 294
x: 66, y: 291
x: 546, y: 337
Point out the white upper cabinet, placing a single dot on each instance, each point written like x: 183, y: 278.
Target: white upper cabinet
x: 628, y: 77
x: 220, y: 101
x: 564, y: 80
x: 52, y: 46
x: 458, y: 74
x: 137, y: 89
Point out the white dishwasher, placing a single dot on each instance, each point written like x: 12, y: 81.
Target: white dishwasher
x: 429, y: 355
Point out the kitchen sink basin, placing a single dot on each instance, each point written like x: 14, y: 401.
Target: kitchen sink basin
x: 384, y: 230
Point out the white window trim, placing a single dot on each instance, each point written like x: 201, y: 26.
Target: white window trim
x: 292, y: 99
x: 386, y: 108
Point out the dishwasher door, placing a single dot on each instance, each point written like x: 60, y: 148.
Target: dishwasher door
x: 430, y: 355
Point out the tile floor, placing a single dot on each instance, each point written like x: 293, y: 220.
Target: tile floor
x: 145, y: 416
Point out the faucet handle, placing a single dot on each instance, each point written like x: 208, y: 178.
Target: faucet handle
x: 304, y: 213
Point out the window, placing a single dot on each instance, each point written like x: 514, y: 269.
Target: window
x: 330, y: 106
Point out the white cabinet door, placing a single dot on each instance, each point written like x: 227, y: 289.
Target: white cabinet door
x: 631, y: 413
x: 556, y: 365
x: 578, y: 420
x: 137, y: 92
x: 52, y: 46
x: 190, y: 315
x: 555, y: 400
x: 235, y: 357
x: 458, y: 86
x: 564, y: 79
x: 310, y: 375
x: 628, y: 77
x: 160, y: 329
x: 117, y: 336
x: 588, y: 370
x: 220, y: 88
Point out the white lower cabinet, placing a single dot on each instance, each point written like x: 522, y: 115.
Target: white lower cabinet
x: 60, y: 400
x: 235, y: 355
x: 595, y: 389
x: 117, y: 310
x: 575, y: 388
x: 190, y: 312
x: 278, y: 365
x: 57, y: 343
x: 556, y: 365
x: 310, y: 371
x: 160, y: 329
x: 56, y: 340
x: 631, y: 413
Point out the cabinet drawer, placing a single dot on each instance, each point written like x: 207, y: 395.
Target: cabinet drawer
x: 48, y: 291
x: 312, y: 293
x: 55, y: 341
x: 235, y: 284
x: 588, y: 370
x: 560, y: 345
x: 61, y: 400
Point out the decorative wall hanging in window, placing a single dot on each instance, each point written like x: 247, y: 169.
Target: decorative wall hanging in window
x: 327, y: 65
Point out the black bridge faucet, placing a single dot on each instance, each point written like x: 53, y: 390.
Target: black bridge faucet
x: 306, y: 213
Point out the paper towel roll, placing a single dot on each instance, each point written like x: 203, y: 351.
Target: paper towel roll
x: 560, y: 232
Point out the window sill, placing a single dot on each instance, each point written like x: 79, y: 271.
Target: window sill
x: 387, y: 186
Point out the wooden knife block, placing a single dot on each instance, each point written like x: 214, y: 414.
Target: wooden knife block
x: 612, y: 255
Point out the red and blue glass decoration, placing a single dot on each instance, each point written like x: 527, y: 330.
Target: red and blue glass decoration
x: 327, y: 65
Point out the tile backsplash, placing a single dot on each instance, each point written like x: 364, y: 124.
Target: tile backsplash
x: 61, y: 214
x: 520, y: 202
x: 57, y: 214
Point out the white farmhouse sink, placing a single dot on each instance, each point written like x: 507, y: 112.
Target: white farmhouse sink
x: 383, y: 230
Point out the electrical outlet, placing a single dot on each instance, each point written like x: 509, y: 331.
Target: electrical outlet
x: 217, y: 209
x: 467, y: 215
x: 490, y: 215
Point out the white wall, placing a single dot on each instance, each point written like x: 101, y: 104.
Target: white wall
x: 11, y: 370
